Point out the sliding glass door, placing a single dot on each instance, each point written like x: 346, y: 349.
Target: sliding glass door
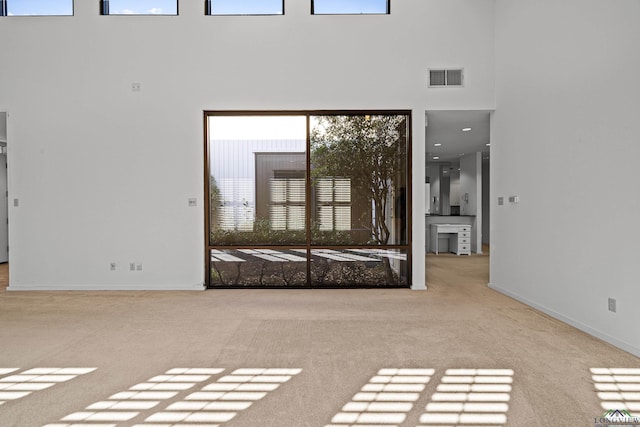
x: 307, y: 199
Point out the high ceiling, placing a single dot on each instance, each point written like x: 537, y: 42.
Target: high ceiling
x: 445, y: 127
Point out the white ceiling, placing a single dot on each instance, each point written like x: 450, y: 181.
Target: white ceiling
x: 445, y: 127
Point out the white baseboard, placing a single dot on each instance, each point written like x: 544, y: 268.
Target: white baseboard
x: 576, y: 324
x: 55, y: 288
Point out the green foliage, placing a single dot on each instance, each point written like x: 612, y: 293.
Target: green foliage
x: 370, y: 150
x: 215, y: 201
x: 264, y: 234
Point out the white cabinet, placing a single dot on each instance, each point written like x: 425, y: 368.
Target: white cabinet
x: 459, y: 236
x: 462, y: 241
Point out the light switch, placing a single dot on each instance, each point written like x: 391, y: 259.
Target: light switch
x: 500, y: 201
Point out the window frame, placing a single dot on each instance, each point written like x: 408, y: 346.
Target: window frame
x: 4, y: 11
x: 402, y: 247
x: 208, y: 11
x: 388, y: 11
x: 104, y: 11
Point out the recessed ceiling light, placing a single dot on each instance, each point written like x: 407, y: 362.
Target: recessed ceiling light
x: 436, y: 158
x: 437, y: 145
x: 488, y: 144
x: 466, y: 129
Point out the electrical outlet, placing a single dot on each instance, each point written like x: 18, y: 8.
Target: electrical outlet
x: 132, y: 266
x: 612, y: 304
x: 135, y: 87
x: 112, y: 266
x: 139, y: 267
x: 193, y: 202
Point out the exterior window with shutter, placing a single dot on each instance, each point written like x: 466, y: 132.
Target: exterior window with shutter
x: 333, y: 204
x: 287, y: 207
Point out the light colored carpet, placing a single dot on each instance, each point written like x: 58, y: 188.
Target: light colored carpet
x: 338, y: 339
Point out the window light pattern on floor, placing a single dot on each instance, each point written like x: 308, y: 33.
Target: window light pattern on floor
x: 272, y: 255
x: 221, y: 401
x: 24, y: 383
x: 470, y: 397
x: 385, y: 400
x: 125, y: 406
x: 618, y: 389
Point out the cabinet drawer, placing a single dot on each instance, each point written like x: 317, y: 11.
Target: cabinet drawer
x: 464, y: 248
x: 463, y: 234
x: 464, y: 240
x: 464, y: 228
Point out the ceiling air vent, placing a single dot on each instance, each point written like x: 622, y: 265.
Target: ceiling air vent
x: 446, y: 78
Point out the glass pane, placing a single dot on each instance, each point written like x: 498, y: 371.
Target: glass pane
x: 359, y: 179
x: 39, y: 7
x: 329, y: 7
x: 247, y: 7
x: 257, y: 180
x: 358, y: 267
x: 143, y: 7
x: 259, y: 267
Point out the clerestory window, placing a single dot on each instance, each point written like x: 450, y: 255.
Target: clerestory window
x: 350, y: 7
x: 244, y: 7
x: 36, y: 8
x: 139, y: 7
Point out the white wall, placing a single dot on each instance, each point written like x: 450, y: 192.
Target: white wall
x: 434, y: 182
x: 567, y: 93
x: 470, y: 179
x: 3, y: 127
x: 471, y: 184
x: 455, y: 184
x: 103, y: 174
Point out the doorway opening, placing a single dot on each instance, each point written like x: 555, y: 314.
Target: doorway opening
x: 4, y: 205
x: 457, y: 188
x: 313, y: 199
